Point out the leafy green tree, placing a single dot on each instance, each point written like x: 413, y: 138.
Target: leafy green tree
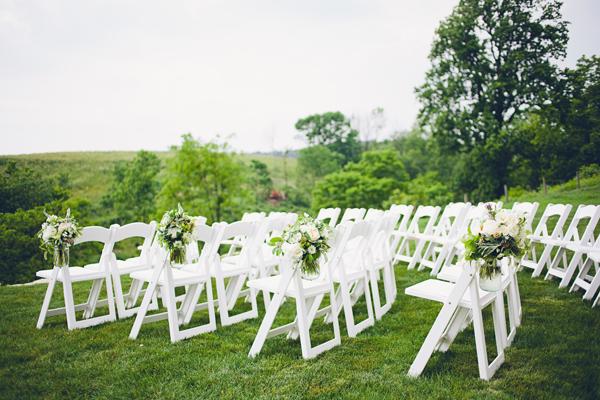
x: 260, y: 179
x: 331, y: 129
x: 24, y: 188
x: 367, y: 183
x: 491, y: 61
x: 207, y: 180
x: 135, y: 186
x: 313, y: 164
x: 426, y: 189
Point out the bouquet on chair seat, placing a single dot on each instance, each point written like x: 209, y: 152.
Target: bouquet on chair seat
x: 58, y: 234
x: 175, y: 233
x: 502, y: 234
x: 305, y: 242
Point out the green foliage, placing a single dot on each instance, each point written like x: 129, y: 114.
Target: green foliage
x: 313, y: 164
x: 23, y: 188
x: 367, y: 183
x: 426, y: 189
x: 589, y: 171
x: 331, y: 129
x: 134, y: 188
x: 415, y: 151
x: 491, y: 61
x: 206, y: 179
x: 260, y: 180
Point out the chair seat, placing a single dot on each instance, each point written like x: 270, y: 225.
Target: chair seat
x: 87, y: 273
x: 554, y: 242
x: 130, y: 265
x: 181, y: 276
x: 229, y: 269
x: 450, y: 274
x: 594, y: 255
x: 271, y: 284
x: 436, y: 290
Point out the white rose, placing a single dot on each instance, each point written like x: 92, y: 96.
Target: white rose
x: 48, y: 233
x: 292, y: 250
x: 313, y: 233
x: 312, y: 250
x: 295, y: 238
x: 173, y: 232
x: 490, y: 227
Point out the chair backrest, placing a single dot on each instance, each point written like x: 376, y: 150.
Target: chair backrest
x: 561, y: 211
x: 373, y: 214
x: 337, y: 242
x: 583, y: 236
x: 331, y: 215
x: 528, y: 210
x: 353, y: 214
x: 253, y: 216
x: 381, y: 242
x: 451, y: 220
x: 404, y: 211
x: 428, y: 213
x: 98, y: 234
x: 136, y: 230
x: 209, y: 236
x: 356, y: 244
x: 241, y: 229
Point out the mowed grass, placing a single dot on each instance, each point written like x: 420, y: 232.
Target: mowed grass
x: 90, y: 173
x: 556, y: 355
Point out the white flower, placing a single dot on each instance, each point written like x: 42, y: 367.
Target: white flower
x: 295, y: 238
x: 49, y: 232
x: 312, y: 249
x: 313, y: 233
x: 490, y: 227
x: 173, y: 232
x: 292, y: 250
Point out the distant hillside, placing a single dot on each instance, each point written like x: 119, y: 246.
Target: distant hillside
x: 90, y: 173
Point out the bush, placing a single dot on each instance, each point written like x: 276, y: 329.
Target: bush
x: 589, y: 171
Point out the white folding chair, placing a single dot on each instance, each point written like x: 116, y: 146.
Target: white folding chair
x: 422, y: 224
x: 330, y: 215
x: 308, y: 296
x: 235, y: 243
x: 373, y: 214
x: 97, y: 273
x: 585, y: 280
x: 443, y: 238
x: 353, y: 214
x: 231, y: 273
x: 528, y: 210
x: 352, y: 277
x: 195, y: 277
x: 574, y: 242
x: 381, y: 263
x: 460, y: 300
x: 546, y: 237
x: 125, y: 303
x: 404, y: 213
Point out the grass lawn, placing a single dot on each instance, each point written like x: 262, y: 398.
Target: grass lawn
x: 556, y: 355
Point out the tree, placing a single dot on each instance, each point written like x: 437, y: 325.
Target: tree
x: 423, y: 190
x: 313, y: 164
x: 491, y: 61
x: 368, y: 183
x: 135, y: 186
x: 331, y: 129
x: 260, y: 180
x: 24, y: 188
x: 370, y: 126
x: 207, y: 180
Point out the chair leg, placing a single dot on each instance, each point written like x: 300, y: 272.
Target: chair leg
x: 267, y: 321
x: 47, y: 298
x: 482, y: 357
x: 69, y: 304
x: 571, y: 269
x: 594, y: 285
x: 149, y: 296
x: 93, y: 297
x: 168, y: 293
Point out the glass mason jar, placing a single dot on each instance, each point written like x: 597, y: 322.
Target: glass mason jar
x: 491, y: 280
x: 61, y: 256
x: 177, y: 255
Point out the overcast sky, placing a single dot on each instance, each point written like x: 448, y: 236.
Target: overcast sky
x: 127, y: 75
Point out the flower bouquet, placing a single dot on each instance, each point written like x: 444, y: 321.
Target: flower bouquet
x: 501, y: 234
x: 305, y: 242
x: 58, y: 234
x: 175, y: 233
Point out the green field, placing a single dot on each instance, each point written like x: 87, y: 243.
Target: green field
x: 556, y: 353
x: 90, y: 173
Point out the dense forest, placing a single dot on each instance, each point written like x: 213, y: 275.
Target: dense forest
x: 497, y: 111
